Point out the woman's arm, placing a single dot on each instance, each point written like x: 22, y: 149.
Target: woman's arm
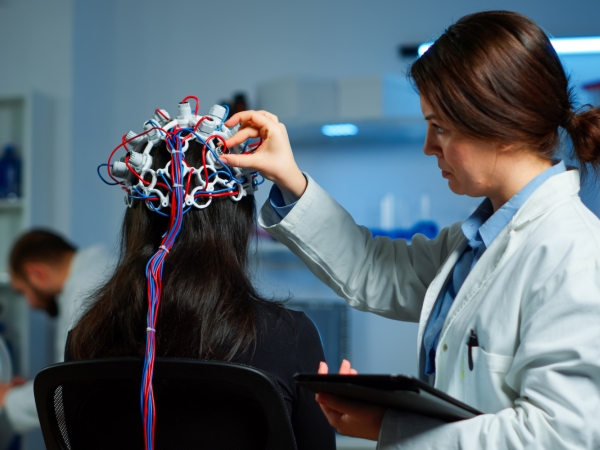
x: 379, y: 275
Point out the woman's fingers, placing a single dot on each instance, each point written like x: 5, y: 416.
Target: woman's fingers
x: 333, y: 417
x: 352, y: 418
x: 273, y: 158
x: 323, y: 369
x: 246, y: 161
x: 345, y: 367
x: 254, y: 117
x: 269, y: 115
x: 242, y: 136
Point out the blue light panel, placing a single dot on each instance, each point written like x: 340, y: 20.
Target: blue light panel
x: 340, y: 129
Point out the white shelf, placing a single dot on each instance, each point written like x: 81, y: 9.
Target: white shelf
x: 11, y: 204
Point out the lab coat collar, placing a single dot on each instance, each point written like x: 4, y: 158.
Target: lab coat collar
x: 552, y: 192
x: 485, y: 225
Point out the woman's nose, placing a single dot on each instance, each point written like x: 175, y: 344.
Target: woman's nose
x: 430, y: 147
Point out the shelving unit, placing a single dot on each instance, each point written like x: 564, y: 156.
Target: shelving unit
x: 25, y: 121
x: 401, y: 130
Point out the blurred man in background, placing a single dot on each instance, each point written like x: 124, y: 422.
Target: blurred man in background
x: 53, y: 275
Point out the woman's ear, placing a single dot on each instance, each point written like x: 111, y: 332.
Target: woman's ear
x: 507, y: 148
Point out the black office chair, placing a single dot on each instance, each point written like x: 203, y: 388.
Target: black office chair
x: 205, y: 405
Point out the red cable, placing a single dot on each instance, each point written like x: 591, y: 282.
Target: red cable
x: 187, y: 187
x: 221, y: 194
x: 197, y: 102
x: 121, y: 145
x: 132, y: 170
x: 163, y: 114
x: 199, y: 122
x: 204, y: 166
x: 216, y: 136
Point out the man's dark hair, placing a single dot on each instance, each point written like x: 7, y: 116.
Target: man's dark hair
x: 38, y: 245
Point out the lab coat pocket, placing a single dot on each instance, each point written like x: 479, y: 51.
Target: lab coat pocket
x: 484, y: 386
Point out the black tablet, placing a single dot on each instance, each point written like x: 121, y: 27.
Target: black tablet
x: 392, y: 391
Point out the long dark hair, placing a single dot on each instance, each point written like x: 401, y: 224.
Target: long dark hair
x: 495, y: 76
x: 206, y: 309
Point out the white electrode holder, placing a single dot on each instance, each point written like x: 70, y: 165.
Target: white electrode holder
x: 142, y: 185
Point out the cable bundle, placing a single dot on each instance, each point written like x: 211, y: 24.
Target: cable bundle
x: 154, y: 271
x: 169, y: 192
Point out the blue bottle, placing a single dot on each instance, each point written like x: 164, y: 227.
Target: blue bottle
x: 10, y: 174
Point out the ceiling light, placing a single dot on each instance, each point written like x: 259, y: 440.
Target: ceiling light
x: 563, y: 46
x: 340, y: 129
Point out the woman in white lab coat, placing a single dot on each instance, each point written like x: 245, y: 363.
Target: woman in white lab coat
x: 508, y: 302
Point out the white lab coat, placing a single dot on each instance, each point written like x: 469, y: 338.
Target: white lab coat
x: 533, y: 299
x: 89, y: 268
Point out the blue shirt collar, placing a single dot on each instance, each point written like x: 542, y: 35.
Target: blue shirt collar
x: 484, y: 225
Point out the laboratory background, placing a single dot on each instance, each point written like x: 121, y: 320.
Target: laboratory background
x: 76, y: 75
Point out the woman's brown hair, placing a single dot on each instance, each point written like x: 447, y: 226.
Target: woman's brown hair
x: 207, y: 304
x: 495, y: 76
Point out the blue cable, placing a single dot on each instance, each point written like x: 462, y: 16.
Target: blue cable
x: 153, y: 208
x: 102, y: 178
x: 153, y: 123
x: 162, y: 175
x: 224, y: 117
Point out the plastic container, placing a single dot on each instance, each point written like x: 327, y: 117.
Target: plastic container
x: 10, y: 173
x: 425, y: 227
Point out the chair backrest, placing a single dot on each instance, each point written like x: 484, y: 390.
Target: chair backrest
x: 199, y: 404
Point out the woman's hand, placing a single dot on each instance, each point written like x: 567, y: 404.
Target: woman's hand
x: 348, y: 417
x: 274, y: 158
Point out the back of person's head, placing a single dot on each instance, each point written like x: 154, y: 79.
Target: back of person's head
x: 39, y: 246
x: 494, y: 76
x: 206, y: 306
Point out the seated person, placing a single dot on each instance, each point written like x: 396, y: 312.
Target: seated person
x: 208, y: 308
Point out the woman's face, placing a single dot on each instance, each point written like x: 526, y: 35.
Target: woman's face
x: 468, y: 165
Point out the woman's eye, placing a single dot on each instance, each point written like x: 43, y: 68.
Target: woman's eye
x: 438, y: 129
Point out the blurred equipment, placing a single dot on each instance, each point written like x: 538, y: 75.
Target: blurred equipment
x: 10, y: 173
x: 239, y: 103
x: 331, y: 320
x: 242, y: 408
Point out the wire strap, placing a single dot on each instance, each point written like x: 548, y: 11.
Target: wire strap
x: 164, y: 248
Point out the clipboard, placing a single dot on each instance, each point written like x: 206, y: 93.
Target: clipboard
x: 391, y: 391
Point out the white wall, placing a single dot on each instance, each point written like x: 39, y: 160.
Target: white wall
x: 107, y: 65
x: 96, y: 208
